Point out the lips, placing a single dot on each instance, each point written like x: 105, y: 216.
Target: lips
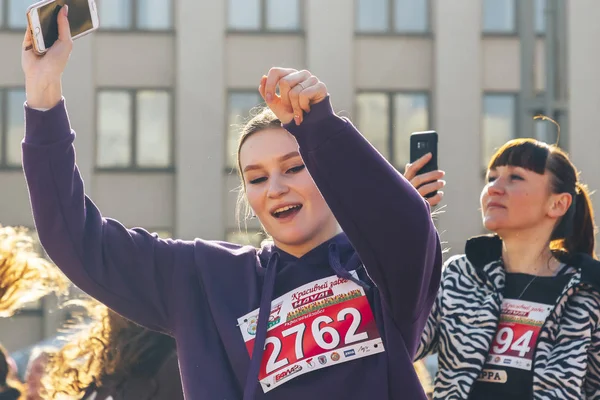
x: 285, y: 210
x: 493, y: 204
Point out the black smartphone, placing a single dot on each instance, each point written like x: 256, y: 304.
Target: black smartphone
x: 422, y: 143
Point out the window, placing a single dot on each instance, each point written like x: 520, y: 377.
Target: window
x: 146, y: 15
x: 500, y: 16
x: 540, y: 16
x: 499, y: 124
x: 239, y: 107
x: 246, y: 237
x: 11, y: 127
x: 397, y: 16
x: 13, y: 13
x: 134, y: 129
x: 388, y: 119
x: 264, y: 15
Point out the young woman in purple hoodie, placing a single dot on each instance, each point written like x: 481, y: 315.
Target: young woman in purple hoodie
x: 316, y: 314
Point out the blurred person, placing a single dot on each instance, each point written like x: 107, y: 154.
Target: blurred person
x: 300, y: 316
x: 9, y: 389
x: 113, y: 358
x: 518, y: 315
x: 36, y: 369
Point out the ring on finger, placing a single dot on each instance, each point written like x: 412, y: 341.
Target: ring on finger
x: 302, y: 86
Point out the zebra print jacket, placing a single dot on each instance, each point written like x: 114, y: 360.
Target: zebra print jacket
x: 465, y: 316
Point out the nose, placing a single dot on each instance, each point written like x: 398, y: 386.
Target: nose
x: 277, y: 187
x: 496, y: 187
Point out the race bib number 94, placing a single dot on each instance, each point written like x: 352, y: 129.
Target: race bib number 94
x: 518, y: 330
x: 321, y: 324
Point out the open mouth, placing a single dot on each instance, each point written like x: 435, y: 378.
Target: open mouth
x: 286, y: 211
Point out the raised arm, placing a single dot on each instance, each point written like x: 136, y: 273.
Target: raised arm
x: 386, y: 219
x: 130, y: 271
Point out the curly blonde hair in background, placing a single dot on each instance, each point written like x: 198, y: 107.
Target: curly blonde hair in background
x: 25, y: 276
x: 109, y: 347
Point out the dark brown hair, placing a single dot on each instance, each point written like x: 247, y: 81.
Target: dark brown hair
x: 575, y: 232
x: 12, y: 388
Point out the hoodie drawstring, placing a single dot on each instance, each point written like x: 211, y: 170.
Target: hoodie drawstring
x: 336, y: 265
x: 264, y: 312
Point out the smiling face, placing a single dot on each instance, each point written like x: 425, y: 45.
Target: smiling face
x: 282, y: 194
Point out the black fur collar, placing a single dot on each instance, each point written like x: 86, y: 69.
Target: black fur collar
x: 482, y: 250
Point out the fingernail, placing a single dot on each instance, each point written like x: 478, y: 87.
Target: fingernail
x: 269, y: 97
x: 66, y: 7
x: 297, y: 119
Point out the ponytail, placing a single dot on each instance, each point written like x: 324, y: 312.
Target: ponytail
x: 582, y: 237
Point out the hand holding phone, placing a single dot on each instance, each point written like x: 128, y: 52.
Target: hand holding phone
x: 422, y: 172
x: 43, y: 73
x: 42, y: 21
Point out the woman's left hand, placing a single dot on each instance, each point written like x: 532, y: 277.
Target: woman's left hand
x: 298, y: 90
x: 428, y: 182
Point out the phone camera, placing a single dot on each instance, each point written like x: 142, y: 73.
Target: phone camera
x: 421, y: 145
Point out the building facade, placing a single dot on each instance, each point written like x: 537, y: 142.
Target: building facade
x: 157, y: 95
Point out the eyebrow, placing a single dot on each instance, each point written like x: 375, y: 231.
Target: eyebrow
x: 280, y: 159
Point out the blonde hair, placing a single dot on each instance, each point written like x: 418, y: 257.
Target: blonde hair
x: 25, y: 276
x: 110, y: 347
x: 264, y: 119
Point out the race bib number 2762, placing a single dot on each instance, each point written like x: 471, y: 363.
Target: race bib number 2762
x: 321, y: 324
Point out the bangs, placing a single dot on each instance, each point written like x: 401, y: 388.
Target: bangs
x: 525, y: 153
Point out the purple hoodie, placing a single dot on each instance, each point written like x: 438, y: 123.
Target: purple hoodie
x: 331, y: 325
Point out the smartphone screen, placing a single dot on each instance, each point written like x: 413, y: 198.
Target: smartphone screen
x: 80, y: 19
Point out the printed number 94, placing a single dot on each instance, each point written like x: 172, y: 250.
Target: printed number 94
x: 505, y: 337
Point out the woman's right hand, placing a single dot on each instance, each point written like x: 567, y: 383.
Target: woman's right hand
x: 43, y: 73
x: 428, y: 182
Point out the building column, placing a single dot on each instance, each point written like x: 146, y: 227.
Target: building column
x: 457, y: 109
x: 584, y: 91
x: 200, y: 119
x: 330, y: 48
x: 79, y: 88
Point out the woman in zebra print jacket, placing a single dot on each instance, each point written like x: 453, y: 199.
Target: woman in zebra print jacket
x: 518, y: 316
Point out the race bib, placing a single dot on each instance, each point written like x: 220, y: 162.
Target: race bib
x: 318, y: 325
x: 518, y: 330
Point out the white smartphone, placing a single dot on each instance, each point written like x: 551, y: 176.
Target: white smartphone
x: 41, y: 16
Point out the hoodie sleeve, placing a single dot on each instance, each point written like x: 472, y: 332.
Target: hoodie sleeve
x: 386, y: 219
x: 129, y: 270
x: 430, y: 338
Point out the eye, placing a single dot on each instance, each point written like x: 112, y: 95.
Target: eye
x: 491, y: 179
x: 295, y: 170
x: 516, y: 177
x: 257, y: 180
